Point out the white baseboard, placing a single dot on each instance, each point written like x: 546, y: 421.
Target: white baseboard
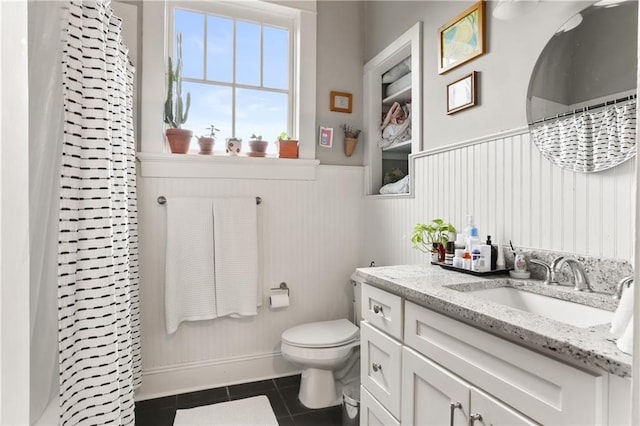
x: 189, y: 377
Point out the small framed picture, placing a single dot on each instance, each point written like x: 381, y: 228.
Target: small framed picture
x: 326, y: 137
x: 461, y: 93
x: 341, y: 102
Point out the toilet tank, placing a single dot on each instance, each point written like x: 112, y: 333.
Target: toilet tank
x: 356, y: 285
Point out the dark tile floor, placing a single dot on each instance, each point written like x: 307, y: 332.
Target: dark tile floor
x: 282, y: 393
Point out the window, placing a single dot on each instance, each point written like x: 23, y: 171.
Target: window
x: 237, y: 65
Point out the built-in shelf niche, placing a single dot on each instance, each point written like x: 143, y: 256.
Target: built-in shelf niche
x: 377, y: 160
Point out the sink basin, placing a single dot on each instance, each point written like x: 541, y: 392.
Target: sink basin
x: 556, y: 309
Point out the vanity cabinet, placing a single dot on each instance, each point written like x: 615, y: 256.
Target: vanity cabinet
x: 438, y: 369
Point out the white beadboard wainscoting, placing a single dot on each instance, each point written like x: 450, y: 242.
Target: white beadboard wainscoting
x: 513, y: 192
x: 309, y: 237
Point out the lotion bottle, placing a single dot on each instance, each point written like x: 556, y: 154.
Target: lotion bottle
x: 500, y: 263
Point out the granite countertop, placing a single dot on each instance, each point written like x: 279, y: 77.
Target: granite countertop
x: 431, y: 287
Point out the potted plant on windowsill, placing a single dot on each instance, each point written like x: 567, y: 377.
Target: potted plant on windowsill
x: 258, y: 146
x: 350, y: 139
x: 287, y: 147
x: 432, y: 238
x: 206, y: 142
x: 175, y: 111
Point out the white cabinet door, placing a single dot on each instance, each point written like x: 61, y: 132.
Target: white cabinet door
x: 431, y: 395
x: 488, y: 411
x: 372, y: 413
x: 380, y: 367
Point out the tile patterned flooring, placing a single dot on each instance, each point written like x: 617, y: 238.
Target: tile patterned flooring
x: 282, y: 393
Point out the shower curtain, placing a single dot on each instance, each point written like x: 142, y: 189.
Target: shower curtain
x: 589, y: 141
x: 98, y: 318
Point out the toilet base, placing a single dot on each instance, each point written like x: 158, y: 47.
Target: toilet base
x: 318, y: 388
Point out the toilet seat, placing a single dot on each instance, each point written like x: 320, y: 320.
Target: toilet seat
x: 322, y: 334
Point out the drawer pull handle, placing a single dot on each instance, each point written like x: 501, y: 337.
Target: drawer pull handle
x: 473, y: 418
x: 377, y: 309
x: 376, y: 367
x: 452, y: 413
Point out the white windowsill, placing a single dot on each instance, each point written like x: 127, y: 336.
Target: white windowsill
x: 223, y: 166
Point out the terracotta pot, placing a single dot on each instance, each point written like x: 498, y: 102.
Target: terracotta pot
x: 288, y: 148
x: 179, y: 140
x: 258, y: 146
x: 206, y: 145
x: 350, y: 146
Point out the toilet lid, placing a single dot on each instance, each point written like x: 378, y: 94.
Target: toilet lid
x: 321, y: 334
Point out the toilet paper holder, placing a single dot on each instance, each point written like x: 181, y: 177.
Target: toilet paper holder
x: 283, y: 286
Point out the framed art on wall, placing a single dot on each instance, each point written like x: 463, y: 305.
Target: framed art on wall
x: 326, y: 137
x: 461, y: 94
x: 341, y: 102
x: 461, y: 39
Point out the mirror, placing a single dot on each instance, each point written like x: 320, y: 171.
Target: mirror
x: 581, y: 102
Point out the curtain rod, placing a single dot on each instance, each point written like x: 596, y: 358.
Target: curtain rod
x: 586, y: 108
x: 163, y: 200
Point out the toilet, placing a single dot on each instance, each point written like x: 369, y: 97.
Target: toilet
x: 329, y: 354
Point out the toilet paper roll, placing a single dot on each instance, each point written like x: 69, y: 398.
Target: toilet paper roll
x: 279, y: 300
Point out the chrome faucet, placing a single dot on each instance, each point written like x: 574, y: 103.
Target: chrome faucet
x: 580, y: 277
x: 620, y: 287
x: 550, y: 273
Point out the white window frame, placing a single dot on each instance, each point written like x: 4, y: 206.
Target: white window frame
x: 155, y: 27
x: 251, y: 13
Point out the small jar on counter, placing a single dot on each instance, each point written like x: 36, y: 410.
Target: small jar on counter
x: 457, y: 259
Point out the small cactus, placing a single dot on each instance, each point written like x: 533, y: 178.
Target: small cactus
x: 176, y: 112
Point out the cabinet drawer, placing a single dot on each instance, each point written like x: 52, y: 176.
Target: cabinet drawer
x: 372, y: 413
x: 548, y: 391
x: 380, y: 367
x: 383, y: 310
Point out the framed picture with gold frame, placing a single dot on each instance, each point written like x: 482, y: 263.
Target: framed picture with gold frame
x: 341, y: 102
x: 461, y: 39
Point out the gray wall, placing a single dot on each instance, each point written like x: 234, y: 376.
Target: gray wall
x: 512, y: 48
x: 339, y: 68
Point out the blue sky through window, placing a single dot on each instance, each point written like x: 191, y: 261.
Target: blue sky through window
x: 220, y: 49
x: 261, y: 51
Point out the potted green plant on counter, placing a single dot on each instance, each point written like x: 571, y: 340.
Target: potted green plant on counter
x: 207, y: 142
x: 176, y: 111
x: 287, y: 146
x: 432, y: 238
x: 257, y: 146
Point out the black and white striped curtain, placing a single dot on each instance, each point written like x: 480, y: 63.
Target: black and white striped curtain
x: 98, y: 317
x: 589, y: 141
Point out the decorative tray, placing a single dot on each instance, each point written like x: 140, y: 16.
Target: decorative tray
x: 470, y: 272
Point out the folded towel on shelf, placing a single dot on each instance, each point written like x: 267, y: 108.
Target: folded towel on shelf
x: 625, y: 342
x: 399, y: 187
x: 623, y: 313
x: 189, y: 269
x: 236, y: 256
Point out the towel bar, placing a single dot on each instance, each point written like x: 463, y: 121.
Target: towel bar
x: 163, y: 200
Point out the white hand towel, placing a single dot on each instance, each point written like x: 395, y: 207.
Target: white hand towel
x: 625, y: 342
x: 623, y: 312
x: 189, y: 282
x: 236, y: 256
